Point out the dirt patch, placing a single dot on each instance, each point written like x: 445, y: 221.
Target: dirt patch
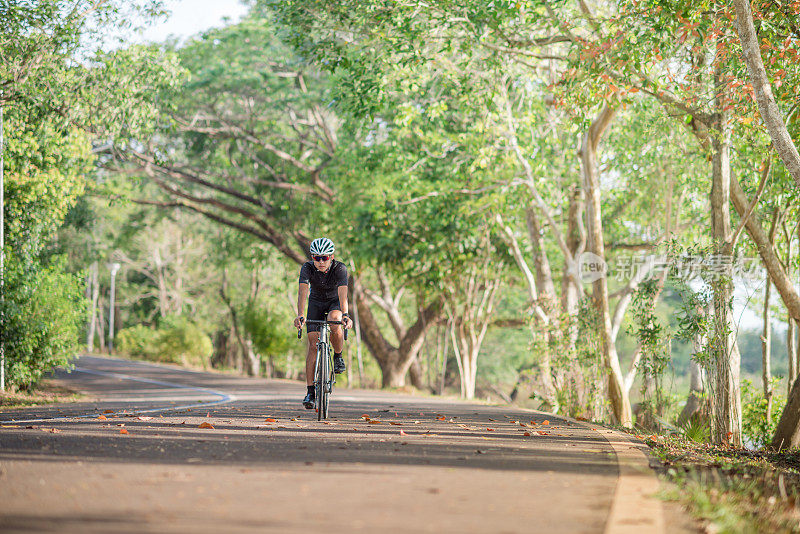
x: 48, y: 391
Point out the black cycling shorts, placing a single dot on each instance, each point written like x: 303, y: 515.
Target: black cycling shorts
x: 317, y: 310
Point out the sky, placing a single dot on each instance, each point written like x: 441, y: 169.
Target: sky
x: 189, y: 17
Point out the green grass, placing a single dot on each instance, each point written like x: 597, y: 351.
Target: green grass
x: 47, y: 392
x: 731, y: 490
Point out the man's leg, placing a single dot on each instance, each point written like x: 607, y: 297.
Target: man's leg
x: 311, y: 361
x: 311, y: 357
x: 337, y: 335
x: 337, y: 340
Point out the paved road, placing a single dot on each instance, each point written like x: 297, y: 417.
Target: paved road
x: 135, y: 459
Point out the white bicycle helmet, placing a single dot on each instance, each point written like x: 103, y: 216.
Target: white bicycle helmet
x: 322, y: 246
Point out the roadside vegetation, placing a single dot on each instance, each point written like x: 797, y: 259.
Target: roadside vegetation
x: 587, y: 208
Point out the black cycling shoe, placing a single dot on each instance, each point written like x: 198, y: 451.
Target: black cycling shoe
x: 338, y: 365
x: 308, y: 402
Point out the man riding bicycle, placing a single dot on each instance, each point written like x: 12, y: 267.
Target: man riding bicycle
x: 323, y: 282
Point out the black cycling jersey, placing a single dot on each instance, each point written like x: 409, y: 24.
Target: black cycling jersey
x: 324, y: 286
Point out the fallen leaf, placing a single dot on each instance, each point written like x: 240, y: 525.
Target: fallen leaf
x: 526, y: 434
x: 123, y: 431
x: 403, y: 433
x: 442, y: 418
x: 545, y: 422
x: 102, y: 418
x: 270, y: 420
x: 490, y: 419
x: 374, y: 422
x: 365, y: 417
x: 108, y: 411
x: 206, y: 424
x: 395, y: 423
x: 490, y: 429
x: 542, y: 433
x: 145, y: 418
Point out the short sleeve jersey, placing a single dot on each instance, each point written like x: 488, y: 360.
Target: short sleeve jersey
x: 324, y: 286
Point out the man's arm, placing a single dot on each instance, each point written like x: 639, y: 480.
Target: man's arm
x: 302, y: 299
x: 342, y: 290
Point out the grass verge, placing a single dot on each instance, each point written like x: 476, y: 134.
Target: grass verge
x: 731, y: 490
x: 47, y: 392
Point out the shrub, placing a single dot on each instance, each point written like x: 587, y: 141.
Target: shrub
x: 756, y: 430
x: 182, y: 341
x: 139, y: 340
x: 43, y: 309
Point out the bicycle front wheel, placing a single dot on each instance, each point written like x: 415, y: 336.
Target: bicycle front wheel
x: 321, y: 389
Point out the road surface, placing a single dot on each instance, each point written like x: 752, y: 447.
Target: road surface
x: 136, y: 459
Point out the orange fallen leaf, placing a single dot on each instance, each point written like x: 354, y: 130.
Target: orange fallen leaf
x: 123, y: 431
x: 102, y: 418
x: 269, y: 420
x: 442, y: 418
x: 545, y: 422
x: 108, y: 411
x: 365, y: 417
x: 490, y: 429
x: 374, y: 422
x: 206, y: 424
x: 542, y: 433
x: 526, y: 434
x: 395, y: 423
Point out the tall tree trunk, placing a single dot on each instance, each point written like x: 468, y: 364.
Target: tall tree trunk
x: 394, y: 361
x: 726, y: 410
x: 696, y: 387
x: 94, y: 296
x: 617, y: 396
x: 791, y: 350
x: 101, y: 322
x: 767, y: 106
x: 766, y: 360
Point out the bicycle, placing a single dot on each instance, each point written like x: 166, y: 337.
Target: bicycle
x: 324, y: 377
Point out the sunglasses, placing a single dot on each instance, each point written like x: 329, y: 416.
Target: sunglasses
x: 320, y: 258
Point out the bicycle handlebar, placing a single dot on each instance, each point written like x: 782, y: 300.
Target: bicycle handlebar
x: 314, y: 321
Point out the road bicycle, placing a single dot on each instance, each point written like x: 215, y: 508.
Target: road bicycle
x: 324, y: 377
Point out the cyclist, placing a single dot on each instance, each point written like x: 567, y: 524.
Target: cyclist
x: 323, y: 282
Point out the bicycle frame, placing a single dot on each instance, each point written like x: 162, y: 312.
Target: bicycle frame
x: 324, y: 377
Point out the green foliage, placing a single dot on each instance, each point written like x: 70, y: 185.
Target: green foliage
x: 696, y: 430
x: 182, y: 341
x: 43, y: 309
x: 757, y: 430
x: 177, y: 340
x: 138, y: 340
x: 267, y: 328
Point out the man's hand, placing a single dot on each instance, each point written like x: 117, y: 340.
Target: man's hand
x: 348, y: 323
x: 298, y: 321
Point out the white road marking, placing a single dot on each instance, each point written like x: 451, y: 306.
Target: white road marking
x: 225, y: 398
